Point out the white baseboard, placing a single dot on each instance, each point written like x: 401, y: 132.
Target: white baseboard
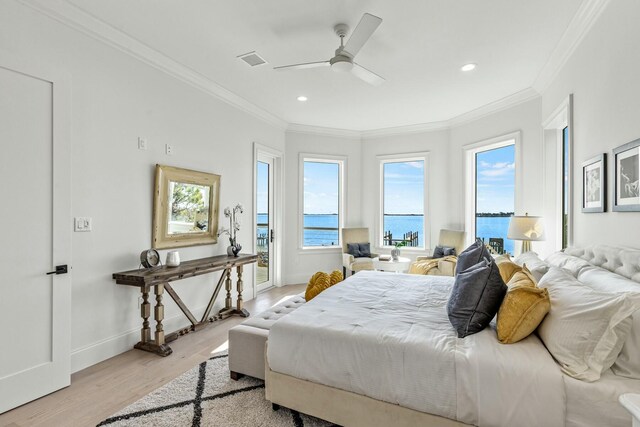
x: 104, y: 349
x: 298, y: 279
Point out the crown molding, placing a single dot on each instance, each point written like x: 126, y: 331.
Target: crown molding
x: 324, y: 131
x: 74, y: 17
x: 585, y: 17
x: 486, y: 110
x: 505, y: 103
x: 404, y: 130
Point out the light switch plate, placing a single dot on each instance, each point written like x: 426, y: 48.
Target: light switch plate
x: 169, y: 149
x: 82, y: 224
x: 142, y: 143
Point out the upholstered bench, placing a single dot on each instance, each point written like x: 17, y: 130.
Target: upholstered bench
x: 246, y: 341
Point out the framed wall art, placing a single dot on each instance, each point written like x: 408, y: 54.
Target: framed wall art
x: 627, y: 173
x: 185, y: 208
x: 594, y: 184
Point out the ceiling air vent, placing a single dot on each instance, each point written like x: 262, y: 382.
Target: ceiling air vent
x: 252, y: 58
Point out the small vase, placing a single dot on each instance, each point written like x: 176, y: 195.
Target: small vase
x: 234, y: 250
x: 173, y: 259
x: 395, y: 253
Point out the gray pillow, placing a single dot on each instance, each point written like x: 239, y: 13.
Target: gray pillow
x: 472, y: 255
x: 443, y: 251
x: 365, y: 249
x: 353, y: 249
x: 476, y: 297
x: 359, y: 250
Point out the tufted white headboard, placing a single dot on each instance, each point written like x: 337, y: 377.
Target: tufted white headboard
x: 622, y: 261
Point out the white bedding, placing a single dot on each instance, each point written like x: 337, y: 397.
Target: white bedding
x: 596, y: 403
x: 387, y: 336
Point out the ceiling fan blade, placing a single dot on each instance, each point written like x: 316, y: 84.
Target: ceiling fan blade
x: 303, y: 65
x: 361, y: 34
x: 368, y: 76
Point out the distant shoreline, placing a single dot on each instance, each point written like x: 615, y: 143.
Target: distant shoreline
x: 489, y: 214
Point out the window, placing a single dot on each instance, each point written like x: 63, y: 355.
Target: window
x: 403, y: 202
x: 557, y: 167
x: 491, y: 192
x: 565, y: 187
x: 322, y: 214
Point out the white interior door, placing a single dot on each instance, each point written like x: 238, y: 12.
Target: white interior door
x: 36, y: 232
x: 265, y: 219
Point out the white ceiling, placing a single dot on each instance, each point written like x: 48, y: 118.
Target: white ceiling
x: 419, y: 49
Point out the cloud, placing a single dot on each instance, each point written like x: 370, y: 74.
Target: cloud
x: 496, y: 169
x: 417, y: 165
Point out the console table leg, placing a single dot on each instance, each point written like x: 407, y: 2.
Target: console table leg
x: 145, y: 312
x: 227, y: 287
x: 159, y: 314
x: 159, y: 346
x: 240, y: 304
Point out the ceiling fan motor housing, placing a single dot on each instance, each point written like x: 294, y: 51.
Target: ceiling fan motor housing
x: 341, y: 63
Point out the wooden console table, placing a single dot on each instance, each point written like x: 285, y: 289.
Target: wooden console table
x: 159, y: 278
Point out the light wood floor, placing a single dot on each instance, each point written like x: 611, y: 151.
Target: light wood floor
x: 99, y: 391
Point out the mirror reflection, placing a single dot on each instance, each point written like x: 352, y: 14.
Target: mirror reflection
x: 188, y: 208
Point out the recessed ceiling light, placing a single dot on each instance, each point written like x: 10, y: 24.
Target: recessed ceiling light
x: 302, y: 98
x: 468, y: 67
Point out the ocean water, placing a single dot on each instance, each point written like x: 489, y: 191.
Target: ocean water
x: 398, y: 225
x: 494, y: 226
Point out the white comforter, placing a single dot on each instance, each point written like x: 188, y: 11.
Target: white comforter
x: 387, y: 336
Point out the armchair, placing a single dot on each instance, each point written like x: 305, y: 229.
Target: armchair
x: 349, y: 262
x: 440, y: 266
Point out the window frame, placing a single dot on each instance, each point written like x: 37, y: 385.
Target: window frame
x: 426, y: 217
x: 341, y: 161
x: 553, y: 142
x: 513, y: 138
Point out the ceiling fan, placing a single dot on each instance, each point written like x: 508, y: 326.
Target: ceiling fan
x: 343, y: 59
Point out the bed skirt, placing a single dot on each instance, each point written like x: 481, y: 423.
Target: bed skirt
x: 343, y: 407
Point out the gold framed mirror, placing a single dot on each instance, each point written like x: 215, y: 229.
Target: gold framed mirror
x: 185, y: 208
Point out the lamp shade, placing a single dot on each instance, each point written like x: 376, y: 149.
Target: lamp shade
x: 527, y: 228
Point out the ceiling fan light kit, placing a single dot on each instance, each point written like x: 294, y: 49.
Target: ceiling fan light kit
x: 342, y: 61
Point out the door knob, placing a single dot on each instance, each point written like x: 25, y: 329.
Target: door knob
x: 60, y: 269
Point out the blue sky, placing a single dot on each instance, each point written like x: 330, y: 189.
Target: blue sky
x: 495, y: 171
x: 404, y: 188
x: 320, y: 188
x: 262, y: 185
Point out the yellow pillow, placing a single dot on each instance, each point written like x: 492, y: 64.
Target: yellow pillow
x: 335, y: 277
x: 523, y: 308
x: 522, y: 278
x: 507, y: 267
x: 321, y: 281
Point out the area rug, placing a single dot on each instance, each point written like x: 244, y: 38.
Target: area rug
x: 206, y: 396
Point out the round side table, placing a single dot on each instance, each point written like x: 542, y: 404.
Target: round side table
x: 399, y: 266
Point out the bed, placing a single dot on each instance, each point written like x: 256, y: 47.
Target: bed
x: 378, y: 349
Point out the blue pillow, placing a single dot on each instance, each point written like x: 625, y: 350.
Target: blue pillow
x: 353, y: 249
x: 365, y: 250
x: 359, y: 250
x: 472, y: 255
x: 475, y: 298
x: 443, y: 251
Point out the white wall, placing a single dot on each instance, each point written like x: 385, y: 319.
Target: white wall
x: 300, y: 264
x: 602, y: 74
x: 436, y: 143
x: 115, y: 99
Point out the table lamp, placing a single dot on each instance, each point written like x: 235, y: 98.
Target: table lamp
x: 526, y: 228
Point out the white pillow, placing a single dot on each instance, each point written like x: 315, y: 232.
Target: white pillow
x: 585, y: 329
x: 536, y: 266
x: 569, y: 262
x: 628, y: 362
